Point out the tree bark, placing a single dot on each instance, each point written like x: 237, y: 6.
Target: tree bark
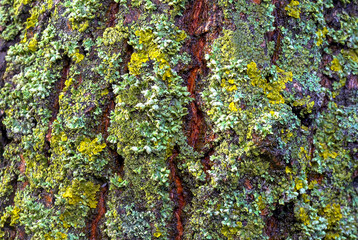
x: 178, y: 119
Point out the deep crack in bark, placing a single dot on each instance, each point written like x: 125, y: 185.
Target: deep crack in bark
x: 55, y: 107
x: 179, y: 196
x: 101, y: 210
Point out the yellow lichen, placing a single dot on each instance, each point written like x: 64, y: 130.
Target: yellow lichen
x: 58, y: 236
x: 68, y: 83
x: 230, y: 87
x: 232, y: 107
x: 32, y: 45
x: 336, y: 66
x: 305, y: 198
x: 272, y: 90
x: 56, y: 142
x: 260, y: 203
x: 326, y: 153
x: 80, y: 27
x: 331, y: 235
x: 351, y: 54
x: 78, y: 57
x: 81, y: 192
x: 150, y: 51
x: 181, y: 36
x: 104, y: 92
x: 312, y: 184
x: 298, y: 184
x: 114, y: 35
x: 332, y: 213
x: 90, y: 148
x: 231, y: 232
x: 303, y: 153
x: 157, y: 233
x: 32, y: 20
x: 15, y: 215
x: 49, y: 4
x: 303, y: 216
x: 293, y: 10
x: 305, y: 101
x: 83, y: 26
x: 254, y: 74
x: 18, y: 3
x: 321, y: 34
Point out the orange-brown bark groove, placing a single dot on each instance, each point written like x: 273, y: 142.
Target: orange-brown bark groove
x: 111, y: 15
x: 59, y: 85
x: 197, y: 44
x: 196, y: 22
x: 201, y: 22
x: 101, y: 210
x: 178, y: 196
x: 103, y: 128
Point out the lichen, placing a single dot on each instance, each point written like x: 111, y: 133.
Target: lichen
x: 172, y: 119
x: 293, y: 9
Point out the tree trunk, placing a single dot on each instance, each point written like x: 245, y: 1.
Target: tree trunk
x: 178, y: 119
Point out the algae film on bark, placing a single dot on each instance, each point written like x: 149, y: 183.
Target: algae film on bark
x: 179, y: 119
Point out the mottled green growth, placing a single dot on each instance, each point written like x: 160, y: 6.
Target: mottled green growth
x: 178, y: 119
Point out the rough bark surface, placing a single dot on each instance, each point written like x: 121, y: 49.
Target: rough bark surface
x: 178, y: 119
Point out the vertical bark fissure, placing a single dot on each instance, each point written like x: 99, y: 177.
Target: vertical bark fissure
x: 196, y: 46
x: 101, y: 210
x: 276, y: 34
x: 193, y: 21
x: 199, y: 23
x: 103, y: 128
x: 55, y: 107
x: 178, y: 197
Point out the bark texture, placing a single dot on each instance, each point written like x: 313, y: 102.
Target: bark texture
x: 178, y: 119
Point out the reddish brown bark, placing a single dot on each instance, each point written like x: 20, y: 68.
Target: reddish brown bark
x: 59, y: 85
x: 101, y: 210
x: 178, y: 196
